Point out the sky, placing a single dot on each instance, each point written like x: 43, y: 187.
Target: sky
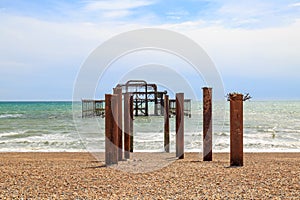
x: 255, y: 45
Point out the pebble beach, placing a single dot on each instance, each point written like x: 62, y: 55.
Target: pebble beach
x: 81, y: 176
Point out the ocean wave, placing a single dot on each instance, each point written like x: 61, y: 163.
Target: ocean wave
x: 46, y: 144
x: 222, y: 134
x: 20, y: 134
x: 10, y: 134
x: 266, y: 146
x: 4, y: 116
x: 42, y: 146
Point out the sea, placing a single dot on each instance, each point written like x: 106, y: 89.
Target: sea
x: 269, y: 126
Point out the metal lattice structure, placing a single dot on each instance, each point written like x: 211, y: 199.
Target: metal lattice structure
x: 147, y: 101
x: 93, y: 108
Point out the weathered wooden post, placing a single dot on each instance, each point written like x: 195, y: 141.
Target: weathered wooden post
x: 127, y: 125
x: 236, y: 129
x: 180, y: 125
x: 111, y: 129
x: 118, y: 91
x: 207, y: 124
x: 131, y: 123
x: 167, y: 124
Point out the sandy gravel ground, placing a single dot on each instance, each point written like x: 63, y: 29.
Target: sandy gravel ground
x: 148, y: 176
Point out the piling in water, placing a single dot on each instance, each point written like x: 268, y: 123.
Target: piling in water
x: 131, y: 123
x: 166, y: 124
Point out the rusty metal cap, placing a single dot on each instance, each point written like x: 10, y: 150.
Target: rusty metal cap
x: 236, y: 97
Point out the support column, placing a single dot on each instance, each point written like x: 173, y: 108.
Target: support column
x: 236, y: 129
x: 207, y: 124
x: 155, y: 104
x: 131, y: 123
x: 118, y: 91
x: 180, y: 125
x: 167, y: 124
x: 146, y: 101
x: 161, y: 104
x: 127, y: 125
x: 111, y: 129
x: 136, y: 107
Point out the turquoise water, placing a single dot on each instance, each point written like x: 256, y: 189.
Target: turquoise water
x: 269, y: 126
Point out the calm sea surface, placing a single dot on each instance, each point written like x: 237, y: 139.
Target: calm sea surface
x: 269, y: 126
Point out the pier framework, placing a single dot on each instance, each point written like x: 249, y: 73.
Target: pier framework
x: 147, y: 101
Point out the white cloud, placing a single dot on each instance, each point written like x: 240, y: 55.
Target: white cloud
x: 295, y: 4
x: 177, y: 15
x: 256, y: 13
x: 269, y: 52
x: 113, y: 9
x: 38, y: 43
x: 115, y: 4
x: 31, y: 44
x: 41, y: 44
x: 116, y: 14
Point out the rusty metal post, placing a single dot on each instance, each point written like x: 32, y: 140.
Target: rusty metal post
x: 111, y: 130
x: 207, y: 124
x: 136, y: 107
x: 146, y: 101
x: 108, y: 130
x: 131, y: 123
x: 236, y: 129
x: 155, y: 104
x: 167, y: 124
x: 180, y: 125
x: 127, y: 125
x: 162, y: 104
x: 118, y: 91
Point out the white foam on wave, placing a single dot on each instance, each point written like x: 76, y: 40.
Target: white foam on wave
x: 12, y: 133
x: 3, y: 116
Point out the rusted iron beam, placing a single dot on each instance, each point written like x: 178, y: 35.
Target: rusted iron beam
x: 207, y: 124
x: 236, y: 129
x: 167, y: 124
x: 180, y: 125
x: 127, y: 125
x: 131, y: 123
x: 118, y: 91
x: 111, y: 129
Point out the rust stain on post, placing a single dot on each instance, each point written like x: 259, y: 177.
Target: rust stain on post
x: 236, y: 129
x: 207, y: 124
x: 127, y: 125
x: 118, y: 91
x: 167, y: 124
x: 180, y: 125
x: 108, y: 130
x: 131, y: 123
x: 115, y: 139
x: 111, y: 130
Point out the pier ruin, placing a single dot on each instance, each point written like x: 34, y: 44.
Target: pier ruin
x: 147, y: 101
x: 142, y: 99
